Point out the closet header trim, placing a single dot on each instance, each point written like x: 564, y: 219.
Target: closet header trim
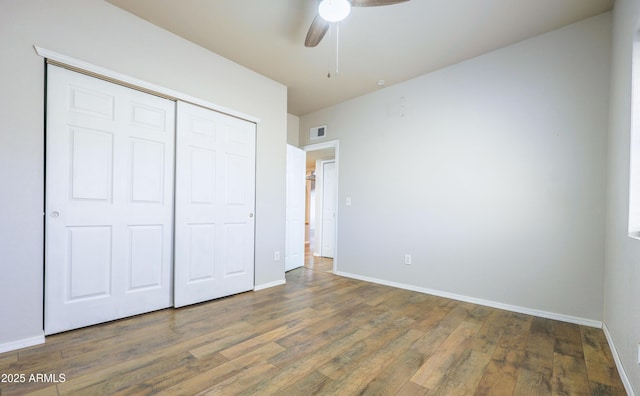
x: 90, y: 69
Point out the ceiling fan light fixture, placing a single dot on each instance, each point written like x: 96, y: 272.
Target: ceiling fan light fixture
x: 334, y: 10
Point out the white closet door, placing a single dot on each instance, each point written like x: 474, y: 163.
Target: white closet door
x: 109, y: 201
x: 295, y: 215
x: 215, y: 200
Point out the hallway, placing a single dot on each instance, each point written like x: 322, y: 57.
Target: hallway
x: 323, y: 264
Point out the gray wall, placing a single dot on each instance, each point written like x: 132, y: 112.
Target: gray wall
x: 293, y: 126
x: 490, y: 173
x: 622, y: 294
x: 99, y: 33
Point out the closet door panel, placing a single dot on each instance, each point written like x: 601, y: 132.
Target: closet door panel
x: 215, y: 199
x: 109, y: 201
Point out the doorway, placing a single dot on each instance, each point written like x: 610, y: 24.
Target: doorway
x: 321, y: 206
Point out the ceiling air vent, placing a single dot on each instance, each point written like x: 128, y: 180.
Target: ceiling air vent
x: 318, y: 132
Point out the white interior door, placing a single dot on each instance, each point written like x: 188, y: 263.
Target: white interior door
x: 215, y: 200
x: 295, y: 214
x: 109, y: 201
x: 329, y: 190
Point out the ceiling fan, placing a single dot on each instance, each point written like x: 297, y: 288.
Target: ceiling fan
x: 335, y: 11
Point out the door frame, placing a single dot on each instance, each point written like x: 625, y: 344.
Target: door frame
x: 335, y: 144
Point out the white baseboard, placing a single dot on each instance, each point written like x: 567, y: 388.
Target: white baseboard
x: 23, y: 343
x: 269, y: 285
x: 616, y: 357
x: 473, y: 300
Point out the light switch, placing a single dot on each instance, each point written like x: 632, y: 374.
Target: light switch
x: 348, y: 202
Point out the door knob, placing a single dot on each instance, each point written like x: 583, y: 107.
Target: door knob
x: 250, y: 214
x: 55, y: 214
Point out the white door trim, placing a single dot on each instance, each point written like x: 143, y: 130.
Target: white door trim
x: 135, y: 83
x: 335, y: 144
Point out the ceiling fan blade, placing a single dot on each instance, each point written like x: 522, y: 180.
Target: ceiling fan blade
x: 316, y: 32
x: 374, y: 3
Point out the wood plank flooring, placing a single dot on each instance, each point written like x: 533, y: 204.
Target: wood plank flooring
x: 323, y: 264
x: 321, y: 334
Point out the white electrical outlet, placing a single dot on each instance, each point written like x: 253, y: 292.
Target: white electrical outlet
x: 407, y: 259
x: 276, y: 255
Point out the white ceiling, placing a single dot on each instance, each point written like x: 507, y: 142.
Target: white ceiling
x: 391, y: 43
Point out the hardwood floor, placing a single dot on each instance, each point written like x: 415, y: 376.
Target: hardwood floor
x: 322, y: 334
x: 312, y: 262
